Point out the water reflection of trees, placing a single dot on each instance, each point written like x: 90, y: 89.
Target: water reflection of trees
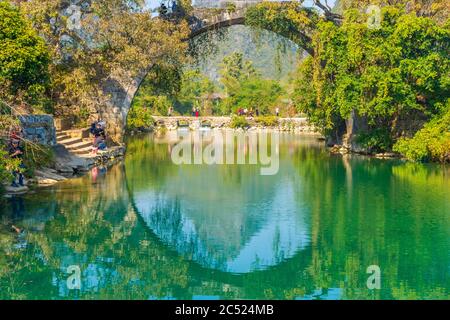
x: 369, y: 211
x: 209, y: 213
x: 404, y: 229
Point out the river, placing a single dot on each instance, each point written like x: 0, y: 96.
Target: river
x: 147, y: 228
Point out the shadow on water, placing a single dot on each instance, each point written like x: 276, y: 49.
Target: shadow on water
x: 148, y: 229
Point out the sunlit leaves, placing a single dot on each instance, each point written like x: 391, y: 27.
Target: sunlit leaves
x: 390, y: 76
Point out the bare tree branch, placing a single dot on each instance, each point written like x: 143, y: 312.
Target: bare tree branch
x: 329, y: 15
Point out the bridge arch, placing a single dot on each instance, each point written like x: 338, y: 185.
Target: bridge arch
x: 122, y: 90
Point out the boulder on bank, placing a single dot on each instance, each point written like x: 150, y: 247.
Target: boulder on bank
x: 47, y: 176
x: 15, y: 190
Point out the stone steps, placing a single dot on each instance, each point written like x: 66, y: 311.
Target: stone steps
x: 70, y: 141
x: 82, y: 151
x: 62, y: 136
x: 74, y: 142
x: 80, y: 145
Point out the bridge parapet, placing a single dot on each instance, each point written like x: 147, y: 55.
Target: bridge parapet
x: 222, y: 4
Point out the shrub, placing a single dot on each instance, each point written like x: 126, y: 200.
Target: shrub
x: 7, y: 165
x: 431, y: 143
x: 239, y: 122
x: 37, y: 156
x: 230, y: 7
x: 139, y: 117
x: 267, y: 121
x: 376, y: 140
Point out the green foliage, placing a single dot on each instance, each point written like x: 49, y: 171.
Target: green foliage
x: 117, y: 38
x: 267, y: 121
x: 287, y: 19
x: 7, y: 165
x: 230, y: 7
x: 431, y: 143
x: 172, y: 86
x: 245, y: 87
x: 195, y: 91
x: 389, y: 76
x: 257, y: 93
x: 36, y: 156
x: 139, y: 117
x: 239, y: 122
x: 157, y: 105
x: 377, y: 140
x: 235, y: 70
x: 24, y: 61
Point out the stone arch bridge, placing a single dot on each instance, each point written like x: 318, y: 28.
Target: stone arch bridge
x: 203, y: 19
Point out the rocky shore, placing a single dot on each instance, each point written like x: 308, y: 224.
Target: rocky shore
x: 66, y: 166
x: 341, y: 149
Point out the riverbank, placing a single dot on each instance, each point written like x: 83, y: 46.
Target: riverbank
x: 341, y: 149
x: 294, y: 124
x: 66, y: 166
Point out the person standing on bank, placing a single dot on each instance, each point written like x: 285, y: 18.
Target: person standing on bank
x: 16, y: 152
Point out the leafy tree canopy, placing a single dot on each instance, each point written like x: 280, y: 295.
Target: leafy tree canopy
x: 24, y: 59
x: 395, y: 74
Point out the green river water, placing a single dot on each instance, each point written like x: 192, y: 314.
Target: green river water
x: 149, y: 229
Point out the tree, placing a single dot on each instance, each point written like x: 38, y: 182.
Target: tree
x: 24, y: 61
x: 195, y: 91
x: 290, y: 20
x: 431, y: 143
x: 113, y: 39
x: 245, y: 87
x: 234, y: 70
x: 390, y: 78
x: 438, y: 10
x: 257, y: 93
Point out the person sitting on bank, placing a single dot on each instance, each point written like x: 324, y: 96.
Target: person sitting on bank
x: 100, y: 144
x: 99, y: 138
x: 16, y: 151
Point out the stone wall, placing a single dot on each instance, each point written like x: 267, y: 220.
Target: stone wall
x: 39, y: 129
x: 284, y: 124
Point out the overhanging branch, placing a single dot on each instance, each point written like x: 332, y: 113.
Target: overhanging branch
x: 329, y: 15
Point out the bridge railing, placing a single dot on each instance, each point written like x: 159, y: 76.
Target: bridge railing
x: 224, y: 3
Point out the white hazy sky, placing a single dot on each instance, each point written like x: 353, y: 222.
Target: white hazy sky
x: 155, y: 3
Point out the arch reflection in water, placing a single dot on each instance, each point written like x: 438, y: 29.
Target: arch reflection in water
x: 356, y: 211
x: 225, y: 217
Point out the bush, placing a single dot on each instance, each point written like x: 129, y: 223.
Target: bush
x: 37, y: 156
x: 239, y: 122
x: 376, y: 140
x: 7, y: 165
x: 139, y: 117
x: 431, y: 143
x: 267, y: 121
x: 230, y: 7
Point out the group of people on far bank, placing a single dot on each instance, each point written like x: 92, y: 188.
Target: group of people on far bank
x: 251, y: 113
x: 240, y: 112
